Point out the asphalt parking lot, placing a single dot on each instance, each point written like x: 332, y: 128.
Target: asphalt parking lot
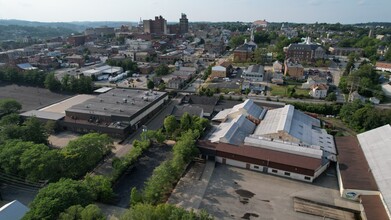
x: 235, y: 193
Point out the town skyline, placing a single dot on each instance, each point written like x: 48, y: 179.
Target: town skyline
x: 310, y: 11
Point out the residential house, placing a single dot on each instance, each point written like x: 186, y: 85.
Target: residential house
x: 383, y: 66
x: 277, y: 67
x: 218, y: 72
x: 345, y: 51
x: 175, y: 83
x: 77, y: 59
x: 278, y: 78
x: 294, y: 70
x: 254, y: 73
x: 215, y: 45
x: 179, y: 110
x: 245, y: 52
x: 313, y: 80
x: 319, y: 91
x: 228, y: 66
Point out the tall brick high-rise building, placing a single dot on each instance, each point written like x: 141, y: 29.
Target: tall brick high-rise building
x: 183, y: 24
x: 157, y: 26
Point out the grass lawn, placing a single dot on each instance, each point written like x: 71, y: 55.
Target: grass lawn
x: 277, y: 90
x: 283, y: 91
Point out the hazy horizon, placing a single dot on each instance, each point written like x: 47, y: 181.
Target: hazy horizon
x: 300, y: 11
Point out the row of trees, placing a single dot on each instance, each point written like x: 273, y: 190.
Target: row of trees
x: 162, y: 211
x: 362, y: 117
x: 159, y: 185
x: 365, y: 80
x: 30, y: 77
x: 81, y: 84
x: 324, y: 109
x: 126, y: 64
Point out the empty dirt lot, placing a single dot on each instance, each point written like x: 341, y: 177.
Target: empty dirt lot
x: 30, y: 97
x: 235, y: 193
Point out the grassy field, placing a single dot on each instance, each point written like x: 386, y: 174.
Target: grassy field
x: 283, y: 91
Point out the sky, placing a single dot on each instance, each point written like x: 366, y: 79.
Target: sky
x: 302, y: 11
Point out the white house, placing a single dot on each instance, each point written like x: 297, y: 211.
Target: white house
x: 254, y: 73
x: 319, y: 91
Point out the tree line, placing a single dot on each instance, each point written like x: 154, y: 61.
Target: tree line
x: 80, y: 84
x: 164, y: 177
x: 363, y: 117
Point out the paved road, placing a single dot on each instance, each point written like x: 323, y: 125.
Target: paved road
x: 140, y: 173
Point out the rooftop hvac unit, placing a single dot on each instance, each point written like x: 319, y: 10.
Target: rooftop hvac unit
x: 120, y: 110
x: 125, y: 100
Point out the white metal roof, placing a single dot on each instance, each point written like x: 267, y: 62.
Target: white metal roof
x: 44, y: 115
x: 218, y: 68
x: 222, y: 115
x: 376, y: 145
x: 13, y: 210
x: 247, y: 107
x: 233, y: 131
x: 103, y: 90
x: 287, y: 147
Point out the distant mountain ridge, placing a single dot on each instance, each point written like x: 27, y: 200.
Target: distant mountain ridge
x: 76, y: 26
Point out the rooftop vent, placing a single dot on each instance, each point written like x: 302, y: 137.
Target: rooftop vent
x: 100, y: 100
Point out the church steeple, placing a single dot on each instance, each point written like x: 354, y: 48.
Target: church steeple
x: 252, y: 35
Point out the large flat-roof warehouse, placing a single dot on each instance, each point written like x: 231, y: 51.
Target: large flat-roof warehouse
x: 115, y: 112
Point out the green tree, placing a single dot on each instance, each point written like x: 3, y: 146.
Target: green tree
x: 100, y: 187
x: 10, y: 119
x: 10, y: 154
x: 77, y: 212
x: 82, y: 154
x: 56, y: 197
x: 8, y: 106
x: 331, y: 97
x: 34, y: 130
x: 150, y: 84
x: 162, y: 211
x: 135, y: 197
x: 33, y: 163
x: 51, y: 82
x: 170, y: 124
x: 185, y: 122
x: 162, y: 70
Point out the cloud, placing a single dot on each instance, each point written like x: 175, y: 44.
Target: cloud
x: 314, y: 2
x: 361, y: 2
